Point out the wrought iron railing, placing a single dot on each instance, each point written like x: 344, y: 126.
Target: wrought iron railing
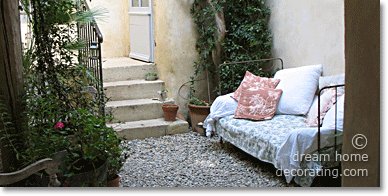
x: 336, y: 87
x: 90, y: 55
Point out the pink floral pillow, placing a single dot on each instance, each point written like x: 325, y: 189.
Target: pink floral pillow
x: 258, y: 103
x: 252, y: 82
x: 327, y: 100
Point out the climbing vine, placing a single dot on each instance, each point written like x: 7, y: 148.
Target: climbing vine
x: 229, y: 31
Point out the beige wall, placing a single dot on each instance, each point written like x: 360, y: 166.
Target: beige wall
x: 114, y: 26
x: 309, y: 32
x: 174, y: 34
x: 304, y: 32
x: 175, y: 38
x: 362, y: 101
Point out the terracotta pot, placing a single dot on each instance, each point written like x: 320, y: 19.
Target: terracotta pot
x: 170, y: 111
x: 115, y: 182
x: 198, y: 114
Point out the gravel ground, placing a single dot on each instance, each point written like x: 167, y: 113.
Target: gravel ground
x: 193, y: 161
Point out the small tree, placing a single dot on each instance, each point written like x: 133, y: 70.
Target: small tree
x: 229, y: 31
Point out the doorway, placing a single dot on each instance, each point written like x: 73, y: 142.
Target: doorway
x: 141, y: 30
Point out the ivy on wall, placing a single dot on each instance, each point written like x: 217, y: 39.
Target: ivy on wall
x: 229, y: 31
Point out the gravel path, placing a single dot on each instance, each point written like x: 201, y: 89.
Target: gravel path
x: 190, y: 160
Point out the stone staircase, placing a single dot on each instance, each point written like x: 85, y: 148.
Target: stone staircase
x: 134, y: 102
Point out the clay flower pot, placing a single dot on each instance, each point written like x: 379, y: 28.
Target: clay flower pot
x: 115, y: 182
x: 170, y: 111
x: 198, y: 114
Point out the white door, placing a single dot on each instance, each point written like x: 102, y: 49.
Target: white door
x: 141, y: 30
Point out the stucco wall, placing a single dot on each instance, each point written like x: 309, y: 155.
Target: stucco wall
x: 362, y: 100
x: 175, y: 38
x: 174, y: 34
x: 114, y: 26
x: 309, y: 32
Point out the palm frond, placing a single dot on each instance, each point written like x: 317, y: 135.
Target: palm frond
x: 84, y: 17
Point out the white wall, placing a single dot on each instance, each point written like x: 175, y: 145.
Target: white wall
x: 175, y: 53
x: 309, y: 32
x: 114, y: 26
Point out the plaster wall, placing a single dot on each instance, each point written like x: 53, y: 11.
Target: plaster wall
x: 175, y: 53
x: 174, y: 34
x: 309, y: 32
x: 114, y: 26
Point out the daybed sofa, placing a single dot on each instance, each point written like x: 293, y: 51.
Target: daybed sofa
x: 292, y: 132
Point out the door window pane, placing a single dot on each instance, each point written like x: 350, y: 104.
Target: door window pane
x: 135, y: 3
x: 145, y: 3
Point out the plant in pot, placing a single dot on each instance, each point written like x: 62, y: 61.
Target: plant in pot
x: 170, y: 110
x: 115, y: 162
x: 163, y: 95
x: 94, y: 150
x: 209, y: 19
x: 151, y: 76
x: 198, y: 111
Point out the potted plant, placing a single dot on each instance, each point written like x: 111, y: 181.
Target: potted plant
x: 114, y: 165
x: 163, y: 95
x: 170, y: 111
x: 207, y: 15
x: 94, y: 150
x: 151, y: 76
x: 198, y: 111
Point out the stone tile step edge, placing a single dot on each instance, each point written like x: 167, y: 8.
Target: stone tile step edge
x: 122, y: 61
x: 130, y: 82
x: 150, y: 128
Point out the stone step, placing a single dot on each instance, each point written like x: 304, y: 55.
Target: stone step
x: 133, y: 89
x: 135, y: 110
x: 150, y: 128
x: 119, y: 69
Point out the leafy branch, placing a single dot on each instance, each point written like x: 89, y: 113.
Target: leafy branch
x: 230, y: 31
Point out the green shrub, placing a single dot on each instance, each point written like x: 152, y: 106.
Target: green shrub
x: 247, y: 37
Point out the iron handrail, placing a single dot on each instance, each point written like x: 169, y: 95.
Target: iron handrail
x: 95, y: 26
x: 91, y: 55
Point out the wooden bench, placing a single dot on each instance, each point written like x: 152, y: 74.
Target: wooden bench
x: 49, y: 165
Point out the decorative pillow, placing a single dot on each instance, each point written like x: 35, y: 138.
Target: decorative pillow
x: 299, y: 86
x: 329, y: 120
x: 327, y: 100
x: 258, y: 104
x: 333, y: 80
x: 252, y: 82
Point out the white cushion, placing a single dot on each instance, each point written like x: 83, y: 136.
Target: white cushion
x: 299, y: 86
x: 331, y: 80
x: 329, y: 120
